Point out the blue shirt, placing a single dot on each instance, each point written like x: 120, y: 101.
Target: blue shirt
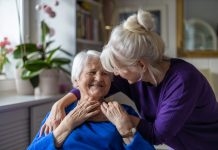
x: 92, y: 136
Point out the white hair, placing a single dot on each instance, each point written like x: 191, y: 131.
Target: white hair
x: 132, y: 40
x: 79, y: 62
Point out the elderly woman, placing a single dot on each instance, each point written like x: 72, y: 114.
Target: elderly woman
x: 86, y: 125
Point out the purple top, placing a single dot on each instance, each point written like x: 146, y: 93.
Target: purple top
x: 181, y: 111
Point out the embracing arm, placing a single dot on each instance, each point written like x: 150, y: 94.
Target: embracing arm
x: 66, y: 100
x: 57, y: 113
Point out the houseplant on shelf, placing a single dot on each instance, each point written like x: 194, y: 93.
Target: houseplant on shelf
x: 39, y: 62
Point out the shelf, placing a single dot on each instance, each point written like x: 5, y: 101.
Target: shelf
x: 97, y: 4
x: 197, y: 54
x: 90, y: 42
x: 82, y: 10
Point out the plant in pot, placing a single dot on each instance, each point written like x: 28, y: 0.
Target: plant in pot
x: 39, y: 60
x: 41, y: 63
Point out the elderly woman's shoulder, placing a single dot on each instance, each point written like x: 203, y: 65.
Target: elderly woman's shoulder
x: 71, y: 107
x: 130, y: 110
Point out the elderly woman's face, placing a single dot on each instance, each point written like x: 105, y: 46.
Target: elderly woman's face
x: 94, y: 81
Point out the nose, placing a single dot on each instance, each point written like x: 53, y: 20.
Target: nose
x: 116, y: 73
x: 99, y: 77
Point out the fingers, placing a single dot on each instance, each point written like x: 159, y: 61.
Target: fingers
x: 50, y: 129
x: 46, y: 130
x: 42, y: 130
x: 104, y: 108
x: 93, y: 113
x: 105, y: 105
x: 91, y: 107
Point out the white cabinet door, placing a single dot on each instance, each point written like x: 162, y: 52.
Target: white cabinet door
x: 14, y: 129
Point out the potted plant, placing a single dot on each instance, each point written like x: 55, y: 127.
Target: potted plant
x: 36, y: 60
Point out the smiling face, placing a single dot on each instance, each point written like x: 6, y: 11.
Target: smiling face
x: 94, y: 81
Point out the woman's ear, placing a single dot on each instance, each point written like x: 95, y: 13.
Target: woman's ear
x: 76, y: 84
x: 142, y: 64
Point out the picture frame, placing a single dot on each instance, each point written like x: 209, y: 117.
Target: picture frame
x: 159, y: 12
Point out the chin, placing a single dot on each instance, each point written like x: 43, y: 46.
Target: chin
x: 131, y: 82
x: 96, y: 95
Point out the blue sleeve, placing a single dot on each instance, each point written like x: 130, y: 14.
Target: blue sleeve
x: 130, y: 110
x: 44, y: 142
x: 138, y: 143
x: 47, y: 141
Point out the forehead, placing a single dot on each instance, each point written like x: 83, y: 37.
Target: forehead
x: 93, y: 63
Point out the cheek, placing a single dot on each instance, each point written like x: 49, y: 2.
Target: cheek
x: 107, y: 84
x: 127, y: 74
x: 83, y: 85
x: 130, y: 74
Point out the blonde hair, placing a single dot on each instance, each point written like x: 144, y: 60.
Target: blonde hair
x: 132, y: 40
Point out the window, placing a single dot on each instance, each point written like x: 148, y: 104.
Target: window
x: 11, y: 27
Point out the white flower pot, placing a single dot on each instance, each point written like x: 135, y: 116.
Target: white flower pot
x: 49, y: 82
x: 23, y: 87
x: 2, y: 76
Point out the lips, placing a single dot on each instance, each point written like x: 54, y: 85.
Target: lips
x: 97, y: 85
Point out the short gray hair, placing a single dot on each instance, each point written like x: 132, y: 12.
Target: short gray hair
x: 79, y: 62
x: 132, y: 40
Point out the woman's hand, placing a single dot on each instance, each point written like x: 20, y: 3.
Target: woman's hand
x: 55, y: 117
x: 83, y: 111
x: 117, y: 115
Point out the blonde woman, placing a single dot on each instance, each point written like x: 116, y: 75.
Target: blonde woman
x: 176, y: 103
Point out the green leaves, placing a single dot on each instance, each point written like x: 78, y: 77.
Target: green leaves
x: 24, y: 49
x: 44, y: 32
x: 56, y: 62
x: 37, y: 58
x: 35, y: 65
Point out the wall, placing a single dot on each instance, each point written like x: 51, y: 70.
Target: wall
x: 199, y: 9
x: 64, y: 23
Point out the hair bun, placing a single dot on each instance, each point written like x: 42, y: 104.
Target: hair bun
x: 146, y: 20
x: 132, y: 24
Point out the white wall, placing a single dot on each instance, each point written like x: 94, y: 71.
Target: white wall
x: 9, y: 28
x: 64, y: 23
x: 202, y: 9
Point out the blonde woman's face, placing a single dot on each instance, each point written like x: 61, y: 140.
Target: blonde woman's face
x: 94, y: 81
x: 130, y: 73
